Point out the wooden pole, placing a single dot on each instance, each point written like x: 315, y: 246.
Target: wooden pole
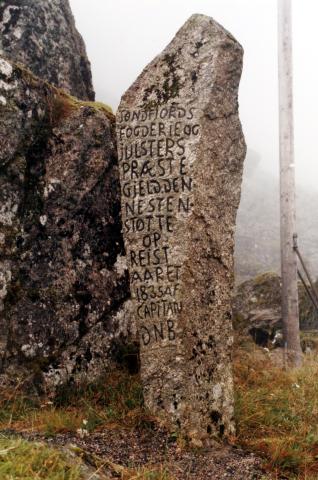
x: 290, y: 312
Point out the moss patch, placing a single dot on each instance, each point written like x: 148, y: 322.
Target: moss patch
x: 25, y: 460
x: 60, y: 103
x: 63, y: 105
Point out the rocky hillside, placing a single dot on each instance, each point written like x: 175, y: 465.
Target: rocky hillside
x: 257, y: 233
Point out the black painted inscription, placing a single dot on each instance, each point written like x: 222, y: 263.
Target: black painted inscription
x: 157, y: 193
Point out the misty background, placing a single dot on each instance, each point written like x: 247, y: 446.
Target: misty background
x: 122, y: 36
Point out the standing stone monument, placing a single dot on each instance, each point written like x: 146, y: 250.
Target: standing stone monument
x: 181, y: 152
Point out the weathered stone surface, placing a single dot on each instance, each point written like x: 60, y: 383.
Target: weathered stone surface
x: 257, y: 309
x: 63, y: 280
x: 181, y: 152
x: 42, y: 35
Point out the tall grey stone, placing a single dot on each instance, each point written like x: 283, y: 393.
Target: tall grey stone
x: 181, y: 152
x: 42, y: 35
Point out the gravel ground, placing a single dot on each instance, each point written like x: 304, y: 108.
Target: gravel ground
x: 135, y: 448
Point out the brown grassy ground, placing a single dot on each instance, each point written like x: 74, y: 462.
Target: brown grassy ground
x: 277, y: 411
x: 276, y: 414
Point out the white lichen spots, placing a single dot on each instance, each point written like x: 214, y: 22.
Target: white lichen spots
x: 7, y: 213
x: 43, y: 220
x: 7, y: 86
x: 29, y: 114
x: 6, y: 16
x: 126, y: 321
x: 3, y: 101
x: 18, y: 33
x: 28, y: 351
x: 86, y: 251
x: 104, y: 272
x: 217, y: 392
x: 80, y: 265
x: 120, y: 265
x: 51, y: 186
x: 5, y: 279
x: 40, y: 112
x: 5, y: 68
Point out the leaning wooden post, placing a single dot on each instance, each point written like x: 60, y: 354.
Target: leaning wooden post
x: 290, y: 312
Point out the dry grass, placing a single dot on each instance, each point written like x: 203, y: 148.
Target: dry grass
x: 277, y: 412
x: 24, y: 460
x: 116, y: 401
x: 63, y: 105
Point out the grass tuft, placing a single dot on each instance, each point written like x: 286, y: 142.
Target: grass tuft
x: 277, y: 412
x: 116, y: 400
x: 20, y: 459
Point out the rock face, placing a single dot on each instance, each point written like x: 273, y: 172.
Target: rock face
x: 63, y: 280
x: 181, y: 152
x: 257, y: 309
x: 42, y: 36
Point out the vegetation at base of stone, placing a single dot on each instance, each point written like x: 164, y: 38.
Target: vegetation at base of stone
x: 148, y: 473
x: 115, y: 399
x: 24, y: 460
x: 277, y: 411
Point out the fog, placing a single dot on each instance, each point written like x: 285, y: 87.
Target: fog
x: 122, y: 36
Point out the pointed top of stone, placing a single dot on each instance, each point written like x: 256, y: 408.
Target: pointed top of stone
x: 199, y: 20
x: 202, y: 57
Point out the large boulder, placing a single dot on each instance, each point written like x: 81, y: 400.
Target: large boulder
x: 257, y: 309
x: 63, y: 279
x: 42, y: 35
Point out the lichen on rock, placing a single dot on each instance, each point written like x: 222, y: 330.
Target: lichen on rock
x: 63, y: 282
x: 181, y: 152
x: 43, y: 37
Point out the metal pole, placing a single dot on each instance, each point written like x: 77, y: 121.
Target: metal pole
x: 313, y: 288
x: 290, y: 311
x: 313, y: 300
